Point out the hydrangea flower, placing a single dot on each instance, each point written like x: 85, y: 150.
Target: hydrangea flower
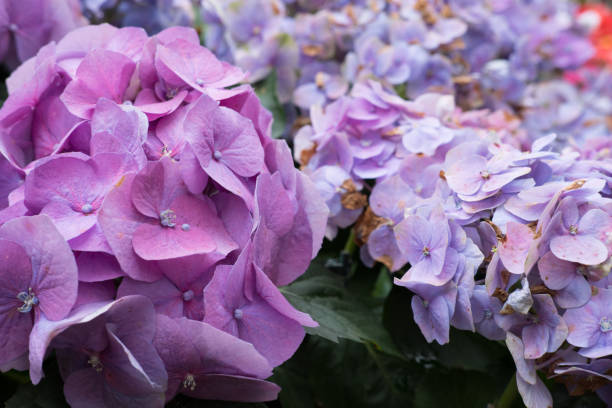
x: 39, y: 280
x: 204, y: 362
x: 70, y: 188
x: 578, y: 237
x: 245, y: 303
x: 590, y: 327
x: 106, y: 353
x: 134, y: 181
x: 427, y: 248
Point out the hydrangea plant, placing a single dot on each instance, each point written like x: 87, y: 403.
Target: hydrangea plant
x: 139, y: 236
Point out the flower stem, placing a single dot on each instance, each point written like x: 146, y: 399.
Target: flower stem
x: 351, y: 246
x: 509, y: 395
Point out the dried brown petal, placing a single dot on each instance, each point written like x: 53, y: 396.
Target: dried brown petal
x: 367, y: 222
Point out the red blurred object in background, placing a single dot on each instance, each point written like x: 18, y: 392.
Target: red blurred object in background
x: 597, y: 19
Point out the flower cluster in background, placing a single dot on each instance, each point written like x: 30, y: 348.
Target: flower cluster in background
x: 144, y: 206
x: 467, y: 145
x: 483, y: 52
x: 152, y: 15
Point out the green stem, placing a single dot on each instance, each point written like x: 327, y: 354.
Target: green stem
x: 509, y: 395
x: 351, y: 246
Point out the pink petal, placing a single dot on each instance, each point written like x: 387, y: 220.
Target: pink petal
x: 101, y: 74
x: 586, y: 250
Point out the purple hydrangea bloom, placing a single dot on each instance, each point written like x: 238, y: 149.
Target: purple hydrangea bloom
x: 484, y: 309
x: 152, y: 216
x: 204, y: 362
x: 543, y: 332
x: 134, y: 181
x: 242, y: 300
x: 424, y: 135
x: 579, y: 238
x: 289, y: 214
x: 106, y: 354
x: 566, y: 278
x: 427, y: 248
x: 71, y: 187
x: 590, y: 326
x: 224, y: 143
x: 39, y: 280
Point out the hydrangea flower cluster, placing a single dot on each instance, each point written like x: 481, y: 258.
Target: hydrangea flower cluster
x: 489, y: 225
x: 483, y: 52
x: 146, y: 217
x: 152, y: 15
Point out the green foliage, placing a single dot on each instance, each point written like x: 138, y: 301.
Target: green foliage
x: 341, y: 314
x: 47, y: 394
x: 344, y: 375
x: 266, y: 90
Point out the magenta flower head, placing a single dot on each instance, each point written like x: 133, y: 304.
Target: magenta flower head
x: 105, y: 353
x: 225, y: 144
x: 152, y: 216
x: 289, y: 213
x: 146, y: 220
x: 38, y: 280
x: 71, y: 187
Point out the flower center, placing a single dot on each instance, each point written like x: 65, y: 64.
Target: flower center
x: 199, y: 81
x: 87, y: 208
x: 238, y: 314
x: 171, y: 93
x: 29, y: 300
x: 605, y: 325
x: 95, y: 363
x: 488, y: 314
x: 485, y: 174
x: 573, y: 230
x: 185, y: 227
x: 168, y: 218
x: 189, y: 382
x: 426, y: 251
x: 13, y: 27
x: 188, y: 295
x: 217, y: 155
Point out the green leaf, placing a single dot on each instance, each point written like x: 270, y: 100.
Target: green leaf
x: 49, y: 393
x: 341, y: 314
x: 383, y: 284
x: 465, y: 350
x: 266, y: 90
x: 344, y: 375
x: 458, y: 388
